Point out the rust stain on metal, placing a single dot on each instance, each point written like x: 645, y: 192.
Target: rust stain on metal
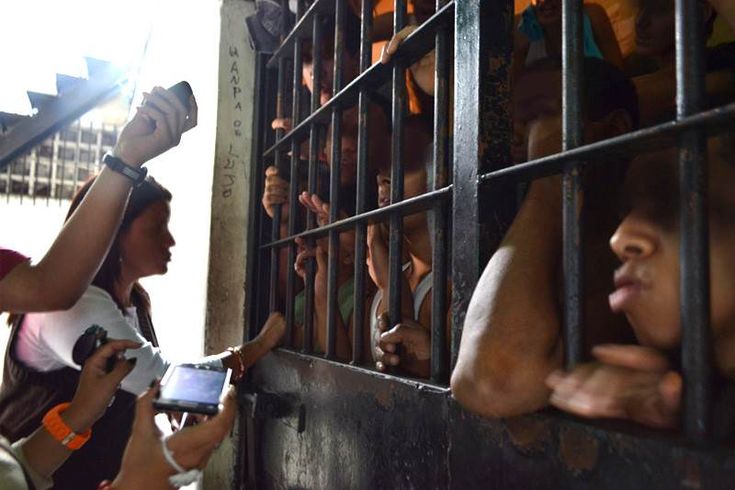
x: 528, y: 433
x: 578, y: 450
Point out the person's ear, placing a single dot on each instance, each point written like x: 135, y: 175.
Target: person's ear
x: 618, y: 122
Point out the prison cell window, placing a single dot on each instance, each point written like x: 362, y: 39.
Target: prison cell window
x: 457, y: 190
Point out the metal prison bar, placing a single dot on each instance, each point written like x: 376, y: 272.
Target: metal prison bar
x: 334, y: 183
x: 694, y: 249
x: 418, y: 44
x: 689, y: 131
x: 366, y: 47
x: 277, y: 211
x: 314, y: 131
x: 395, y: 234
x: 572, y: 66
x: 439, y: 358
x: 690, y: 126
x: 293, y: 190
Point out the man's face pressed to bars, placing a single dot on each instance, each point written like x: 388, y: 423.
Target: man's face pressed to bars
x: 647, y: 243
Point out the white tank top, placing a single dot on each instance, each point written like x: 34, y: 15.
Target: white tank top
x: 422, y: 290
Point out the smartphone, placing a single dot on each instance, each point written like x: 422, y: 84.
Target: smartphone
x: 182, y: 91
x: 193, y: 388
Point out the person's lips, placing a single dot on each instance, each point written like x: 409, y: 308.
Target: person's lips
x: 627, y: 288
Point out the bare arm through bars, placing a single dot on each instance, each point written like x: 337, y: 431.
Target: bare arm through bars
x: 511, y: 339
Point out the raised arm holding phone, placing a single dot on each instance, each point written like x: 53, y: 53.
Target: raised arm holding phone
x: 63, y: 274
x: 59, y: 279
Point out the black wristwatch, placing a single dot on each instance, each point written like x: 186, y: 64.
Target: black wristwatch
x: 137, y: 175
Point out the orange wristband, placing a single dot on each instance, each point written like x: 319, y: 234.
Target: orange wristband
x: 58, y: 429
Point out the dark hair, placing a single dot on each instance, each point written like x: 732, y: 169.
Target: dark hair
x: 142, y: 196
x: 605, y: 89
x: 351, y: 38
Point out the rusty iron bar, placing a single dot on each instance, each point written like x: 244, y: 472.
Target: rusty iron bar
x: 257, y: 268
x: 696, y: 348
x: 277, y: 211
x: 395, y: 233
x: 407, y: 206
x: 617, y: 149
x: 482, y: 53
x: 440, y: 249
x: 278, y: 161
x: 366, y: 29
x: 294, y: 184
x: 334, y: 183
x: 314, y: 151
x: 572, y: 133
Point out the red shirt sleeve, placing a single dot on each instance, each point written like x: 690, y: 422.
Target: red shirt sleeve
x: 9, y: 259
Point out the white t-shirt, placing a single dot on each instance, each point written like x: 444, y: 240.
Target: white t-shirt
x: 46, y: 340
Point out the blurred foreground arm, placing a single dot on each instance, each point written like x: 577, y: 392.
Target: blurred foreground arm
x: 144, y: 465
x: 58, y: 280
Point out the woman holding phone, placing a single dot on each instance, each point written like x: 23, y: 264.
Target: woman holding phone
x: 41, y: 344
x: 39, y: 370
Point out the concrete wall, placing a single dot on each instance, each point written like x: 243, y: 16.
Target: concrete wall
x: 230, y: 212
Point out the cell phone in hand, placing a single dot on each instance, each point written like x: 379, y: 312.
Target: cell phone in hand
x: 193, y: 388
x: 182, y: 91
x: 92, y: 339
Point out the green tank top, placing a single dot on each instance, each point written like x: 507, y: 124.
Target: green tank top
x: 345, y: 298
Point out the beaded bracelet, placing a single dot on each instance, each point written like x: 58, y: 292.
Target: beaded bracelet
x: 238, y: 354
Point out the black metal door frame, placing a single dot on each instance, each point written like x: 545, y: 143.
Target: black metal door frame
x: 315, y: 422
